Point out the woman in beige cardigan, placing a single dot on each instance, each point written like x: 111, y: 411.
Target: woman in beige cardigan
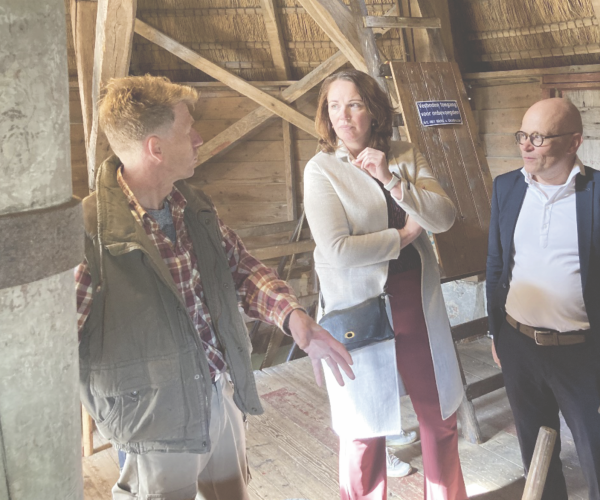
x: 370, y: 203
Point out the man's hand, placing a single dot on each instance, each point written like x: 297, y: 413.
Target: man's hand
x: 319, y: 344
x: 495, y: 356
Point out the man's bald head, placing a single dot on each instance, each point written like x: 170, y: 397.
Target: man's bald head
x: 558, y: 116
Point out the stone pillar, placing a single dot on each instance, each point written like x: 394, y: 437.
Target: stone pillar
x: 41, y: 241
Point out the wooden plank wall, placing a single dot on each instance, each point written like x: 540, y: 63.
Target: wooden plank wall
x: 247, y: 184
x: 499, y: 110
x: 588, y: 102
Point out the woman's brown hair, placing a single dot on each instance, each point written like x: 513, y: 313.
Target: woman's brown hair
x: 377, y: 104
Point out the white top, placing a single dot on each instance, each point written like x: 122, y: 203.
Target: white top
x: 545, y: 287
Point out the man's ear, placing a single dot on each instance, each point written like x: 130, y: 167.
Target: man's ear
x: 153, y: 148
x: 576, y: 141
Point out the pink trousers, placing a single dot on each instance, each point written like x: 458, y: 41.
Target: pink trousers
x: 363, y: 461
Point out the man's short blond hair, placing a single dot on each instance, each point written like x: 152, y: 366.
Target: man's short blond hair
x: 134, y: 107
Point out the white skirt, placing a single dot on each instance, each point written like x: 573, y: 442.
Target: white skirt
x: 369, y: 405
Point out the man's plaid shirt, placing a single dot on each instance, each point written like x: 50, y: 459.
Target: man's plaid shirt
x: 261, y: 293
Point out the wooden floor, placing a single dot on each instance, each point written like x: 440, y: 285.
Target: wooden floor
x: 292, y: 449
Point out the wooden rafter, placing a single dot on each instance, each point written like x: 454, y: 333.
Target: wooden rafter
x: 527, y: 75
x: 83, y: 22
x: 276, y: 41
x: 112, y: 55
x: 337, y: 22
x: 290, y: 177
x: 535, y: 30
x: 436, y: 43
x: 282, y: 69
x: 243, y: 87
x: 230, y: 137
x: 401, y: 22
x: 596, y: 7
x: 540, y: 53
x: 243, y: 128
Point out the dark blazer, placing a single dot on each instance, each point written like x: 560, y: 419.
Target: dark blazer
x: 507, y: 200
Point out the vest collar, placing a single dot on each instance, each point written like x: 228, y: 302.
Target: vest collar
x: 118, y: 230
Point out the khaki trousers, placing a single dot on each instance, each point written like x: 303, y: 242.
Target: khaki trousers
x: 221, y: 474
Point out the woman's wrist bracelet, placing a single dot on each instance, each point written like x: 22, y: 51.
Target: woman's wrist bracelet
x: 392, y: 184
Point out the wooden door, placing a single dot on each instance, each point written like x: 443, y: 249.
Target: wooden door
x: 457, y: 159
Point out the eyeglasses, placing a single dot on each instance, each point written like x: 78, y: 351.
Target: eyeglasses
x: 536, y: 139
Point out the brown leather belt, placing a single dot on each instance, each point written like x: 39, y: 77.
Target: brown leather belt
x: 544, y: 336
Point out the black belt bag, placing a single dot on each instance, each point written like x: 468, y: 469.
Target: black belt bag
x: 360, y: 325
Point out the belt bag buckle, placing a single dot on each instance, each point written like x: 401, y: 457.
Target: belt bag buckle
x: 543, y: 332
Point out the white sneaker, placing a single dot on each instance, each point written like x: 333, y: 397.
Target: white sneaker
x: 395, y: 466
x: 401, y: 439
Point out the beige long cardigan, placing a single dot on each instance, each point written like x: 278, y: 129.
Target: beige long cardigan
x: 347, y: 214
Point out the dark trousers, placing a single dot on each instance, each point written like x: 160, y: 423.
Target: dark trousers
x: 540, y: 381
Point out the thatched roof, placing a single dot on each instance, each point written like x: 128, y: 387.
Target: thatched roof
x: 488, y: 34
x: 522, y: 34
x: 232, y: 33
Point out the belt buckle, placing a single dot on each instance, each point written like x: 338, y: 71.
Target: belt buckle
x: 542, y: 332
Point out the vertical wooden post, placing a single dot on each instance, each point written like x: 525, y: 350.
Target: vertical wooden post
x: 290, y: 170
x: 112, y: 53
x: 87, y: 433
x: 276, y: 40
x: 437, y: 52
x: 538, y: 470
x: 596, y: 7
x: 466, y: 411
x: 370, y: 51
x: 83, y: 22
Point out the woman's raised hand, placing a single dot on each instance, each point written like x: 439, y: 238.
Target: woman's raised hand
x: 374, y: 163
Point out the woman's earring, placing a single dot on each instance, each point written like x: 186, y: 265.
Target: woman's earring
x: 373, y: 124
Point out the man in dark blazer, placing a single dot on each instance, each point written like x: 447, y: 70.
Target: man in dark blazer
x: 543, y: 289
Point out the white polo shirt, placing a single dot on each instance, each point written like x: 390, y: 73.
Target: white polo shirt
x: 545, y: 286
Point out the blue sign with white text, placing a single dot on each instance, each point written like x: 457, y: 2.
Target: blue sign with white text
x: 434, y: 113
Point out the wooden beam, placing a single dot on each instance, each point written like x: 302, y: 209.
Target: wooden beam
x: 271, y: 103
x: 267, y: 85
x: 475, y: 328
x: 83, y: 22
x: 596, y: 7
x: 277, y: 227
x: 284, y: 249
x: 230, y: 137
x: 112, y: 55
x: 484, y: 386
x: 518, y: 55
x: 571, y: 78
x: 276, y: 41
x: 406, y: 42
x: 337, y: 22
x: 436, y: 43
x: 87, y: 432
x: 289, y: 166
x: 534, y: 30
x: 402, y: 22
x: 370, y: 51
x: 531, y: 73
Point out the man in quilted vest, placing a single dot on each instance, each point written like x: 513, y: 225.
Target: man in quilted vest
x: 164, y: 353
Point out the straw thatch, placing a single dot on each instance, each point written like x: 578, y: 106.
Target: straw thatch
x: 515, y: 34
x: 498, y: 34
